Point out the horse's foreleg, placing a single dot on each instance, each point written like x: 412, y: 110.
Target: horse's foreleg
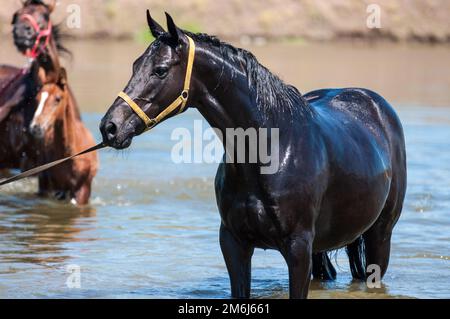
x: 43, y: 185
x: 83, y: 194
x: 237, y: 257
x: 298, y: 255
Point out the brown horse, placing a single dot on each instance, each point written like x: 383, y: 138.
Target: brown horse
x: 58, y: 132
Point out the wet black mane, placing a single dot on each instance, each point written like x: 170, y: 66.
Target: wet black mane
x: 273, y: 96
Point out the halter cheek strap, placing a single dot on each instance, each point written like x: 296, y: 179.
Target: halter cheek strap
x: 180, y: 101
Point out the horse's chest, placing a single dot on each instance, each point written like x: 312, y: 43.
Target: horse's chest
x: 249, y: 219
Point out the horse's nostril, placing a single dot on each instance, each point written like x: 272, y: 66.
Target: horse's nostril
x: 35, y: 131
x: 111, y: 130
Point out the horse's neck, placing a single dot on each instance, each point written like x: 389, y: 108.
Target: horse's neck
x: 71, y: 125
x: 227, y: 101
x: 49, y: 63
x: 65, y: 134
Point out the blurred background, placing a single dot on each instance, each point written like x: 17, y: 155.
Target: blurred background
x: 151, y: 229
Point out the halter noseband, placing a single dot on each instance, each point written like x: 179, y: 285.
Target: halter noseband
x: 180, y: 101
x: 47, y: 33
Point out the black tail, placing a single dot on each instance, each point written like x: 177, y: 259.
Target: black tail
x: 322, y: 268
x: 357, y: 258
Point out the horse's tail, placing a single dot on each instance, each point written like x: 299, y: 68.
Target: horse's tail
x: 322, y: 268
x: 357, y: 258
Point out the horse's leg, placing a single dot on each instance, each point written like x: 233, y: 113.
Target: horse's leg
x: 377, y: 240
x: 238, y: 258
x: 298, y: 255
x: 356, y: 257
x: 322, y: 268
x: 83, y: 194
x: 43, y: 185
x: 375, y: 245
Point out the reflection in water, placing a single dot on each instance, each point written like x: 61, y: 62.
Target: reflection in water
x: 33, y: 230
x: 152, y: 228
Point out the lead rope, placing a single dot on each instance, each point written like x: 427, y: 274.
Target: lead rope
x: 42, y: 168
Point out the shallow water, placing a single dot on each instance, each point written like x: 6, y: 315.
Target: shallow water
x: 152, y: 227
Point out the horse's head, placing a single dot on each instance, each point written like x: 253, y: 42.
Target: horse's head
x: 32, y: 26
x: 157, y: 88
x: 53, y: 101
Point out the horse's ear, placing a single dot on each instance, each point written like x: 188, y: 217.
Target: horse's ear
x: 154, y: 26
x: 14, y: 19
x: 62, y: 82
x: 175, y: 33
x: 50, y: 4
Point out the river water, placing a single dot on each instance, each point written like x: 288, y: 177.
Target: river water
x: 151, y: 230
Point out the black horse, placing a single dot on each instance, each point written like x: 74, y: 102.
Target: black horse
x: 18, y: 89
x: 342, y: 174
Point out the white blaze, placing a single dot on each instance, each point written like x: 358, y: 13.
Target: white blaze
x: 44, y: 97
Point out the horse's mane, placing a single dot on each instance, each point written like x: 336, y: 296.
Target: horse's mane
x: 58, y: 35
x: 273, y: 97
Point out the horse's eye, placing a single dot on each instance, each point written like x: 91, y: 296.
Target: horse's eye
x: 58, y: 99
x: 161, y: 71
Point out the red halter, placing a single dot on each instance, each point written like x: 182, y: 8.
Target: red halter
x: 47, y: 33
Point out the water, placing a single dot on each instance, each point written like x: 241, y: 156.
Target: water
x: 151, y: 230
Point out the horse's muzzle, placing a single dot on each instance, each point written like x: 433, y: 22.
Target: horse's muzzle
x: 24, y: 38
x: 113, y: 137
x: 36, y: 131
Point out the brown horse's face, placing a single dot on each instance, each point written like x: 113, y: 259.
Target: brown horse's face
x: 157, y: 80
x: 23, y: 32
x: 53, y: 100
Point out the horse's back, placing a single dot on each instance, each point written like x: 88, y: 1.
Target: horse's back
x: 362, y: 106
x: 361, y: 112
x: 8, y: 72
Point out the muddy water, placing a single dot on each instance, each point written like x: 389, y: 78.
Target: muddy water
x: 152, y: 228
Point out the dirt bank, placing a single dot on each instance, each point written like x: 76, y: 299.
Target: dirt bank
x: 401, y: 20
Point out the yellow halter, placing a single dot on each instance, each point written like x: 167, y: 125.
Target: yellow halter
x: 179, y: 101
